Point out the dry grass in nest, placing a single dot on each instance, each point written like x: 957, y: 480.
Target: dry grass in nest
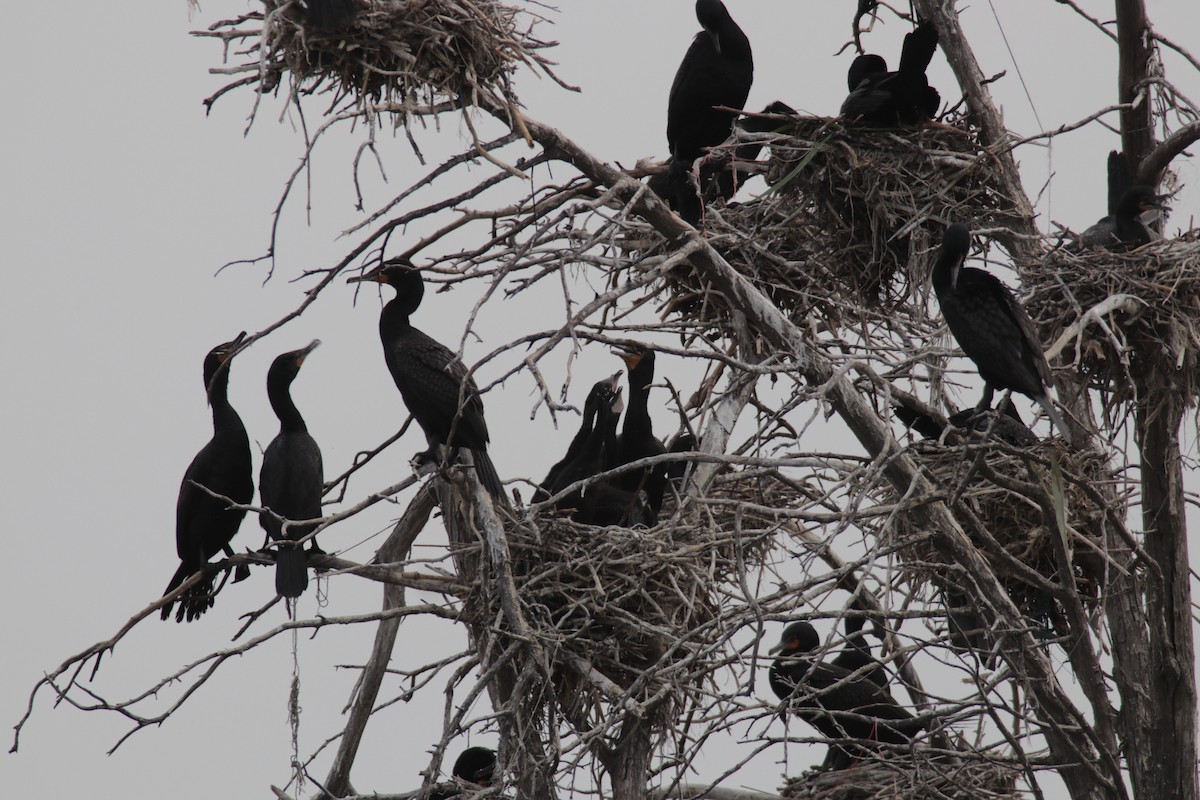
x: 1153, y: 341
x: 907, y: 779
x: 406, y: 52
x: 1012, y: 518
x: 853, y: 200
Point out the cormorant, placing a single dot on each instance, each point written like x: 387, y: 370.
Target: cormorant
x: 857, y: 654
x: 596, y: 452
x: 476, y: 765
x: 330, y: 15
x: 432, y: 380
x: 882, y: 99
x: 1119, y: 179
x: 1123, y: 227
x: 637, y: 438
x: 717, y: 70
x: 204, y: 525
x: 1007, y: 426
x: 291, y: 480
x: 991, y: 327
x: 839, y: 706
x: 551, y: 483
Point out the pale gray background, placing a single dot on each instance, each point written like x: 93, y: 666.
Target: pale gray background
x: 121, y: 200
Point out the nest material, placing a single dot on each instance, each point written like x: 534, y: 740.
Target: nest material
x: 1154, y: 347
x: 1015, y: 521
x: 907, y: 779
x: 402, y: 51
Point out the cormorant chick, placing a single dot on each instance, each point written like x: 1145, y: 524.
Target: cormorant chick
x: 292, y: 478
x: 827, y: 697
x: 991, y: 327
x: 1124, y: 227
x: 433, y: 382
x: 204, y: 524
x: 637, y: 438
x: 882, y: 99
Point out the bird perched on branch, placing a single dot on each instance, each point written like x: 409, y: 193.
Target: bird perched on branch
x: 991, y: 327
x: 291, y: 480
x: 1005, y: 425
x: 882, y: 99
x: 475, y: 765
x: 204, y: 524
x: 433, y: 382
x: 828, y: 697
x: 1123, y: 227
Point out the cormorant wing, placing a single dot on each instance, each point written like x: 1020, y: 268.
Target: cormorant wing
x: 432, y: 378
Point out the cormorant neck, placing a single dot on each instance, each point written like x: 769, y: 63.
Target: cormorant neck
x: 394, y: 316
x: 224, y: 417
x: 284, y: 408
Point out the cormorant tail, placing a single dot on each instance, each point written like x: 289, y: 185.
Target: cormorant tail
x: 291, y: 571
x: 918, y: 49
x: 486, y: 470
x: 194, y: 601
x: 182, y: 574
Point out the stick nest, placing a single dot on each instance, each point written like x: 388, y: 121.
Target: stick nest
x: 907, y: 779
x: 1014, y: 518
x: 406, y: 52
x: 1155, y: 342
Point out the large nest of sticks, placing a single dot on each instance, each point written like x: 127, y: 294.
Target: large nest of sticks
x: 907, y: 779
x: 847, y: 204
x: 1143, y: 310
x: 992, y: 480
x: 405, y: 52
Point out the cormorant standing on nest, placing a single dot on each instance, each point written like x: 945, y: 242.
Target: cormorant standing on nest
x: 637, y: 438
x: 857, y: 654
x: 434, y: 383
x: 827, y: 697
x: 596, y: 452
x: 1123, y: 226
x: 475, y: 765
x: 291, y: 480
x: 883, y: 99
x: 329, y: 16
x: 204, y: 525
x: 991, y: 327
x: 551, y: 484
x: 1006, y: 426
x: 605, y: 502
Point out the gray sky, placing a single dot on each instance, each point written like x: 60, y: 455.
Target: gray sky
x: 122, y: 201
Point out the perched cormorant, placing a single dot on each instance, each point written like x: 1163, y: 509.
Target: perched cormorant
x: 434, y: 383
x: 330, y: 15
x: 204, y: 525
x: 291, y: 480
x: 881, y: 99
x: 717, y: 70
x: 857, y: 654
x: 637, y: 438
x: 1006, y: 426
x: 827, y: 697
x: 1123, y: 227
x: 475, y: 765
x: 991, y: 327
x: 596, y: 452
x: 552, y: 483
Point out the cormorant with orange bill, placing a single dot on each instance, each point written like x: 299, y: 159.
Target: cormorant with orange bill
x: 637, y: 438
x: 433, y: 382
x: 882, y: 99
x: 991, y: 327
x: 204, y: 524
x: 292, y: 479
x: 830, y: 699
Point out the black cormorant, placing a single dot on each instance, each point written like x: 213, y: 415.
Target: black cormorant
x: 1119, y: 179
x: 637, y: 438
x: 551, y: 483
x: 1123, y: 227
x: 595, y: 452
x: 475, y: 765
x: 330, y: 15
x: 717, y: 70
x: 434, y: 383
x: 204, y: 525
x: 827, y: 697
x: 291, y: 480
x: 991, y: 327
x: 1006, y: 426
x: 857, y: 654
x: 880, y: 99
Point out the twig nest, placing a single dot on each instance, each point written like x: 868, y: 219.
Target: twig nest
x: 847, y: 202
x: 1143, y: 329
x: 407, y: 52
x: 905, y: 778
x: 998, y: 484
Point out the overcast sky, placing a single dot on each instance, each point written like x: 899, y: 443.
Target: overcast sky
x: 122, y: 201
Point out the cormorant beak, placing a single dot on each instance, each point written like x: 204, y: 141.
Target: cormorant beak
x: 231, y: 348
x: 618, y: 403
x: 782, y: 646
x: 716, y: 40
x: 614, y: 382
x: 374, y: 276
x: 958, y: 265
x: 303, y: 354
x: 631, y: 359
x: 1153, y: 201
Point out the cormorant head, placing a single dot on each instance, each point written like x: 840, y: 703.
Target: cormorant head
x: 217, y: 360
x: 638, y: 360
x: 605, y: 394
x: 798, y: 637
x: 862, y: 67
x: 956, y: 243
x: 1139, y: 199
x: 286, y: 366
x: 712, y: 14
x: 477, y: 765
x: 401, y: 275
